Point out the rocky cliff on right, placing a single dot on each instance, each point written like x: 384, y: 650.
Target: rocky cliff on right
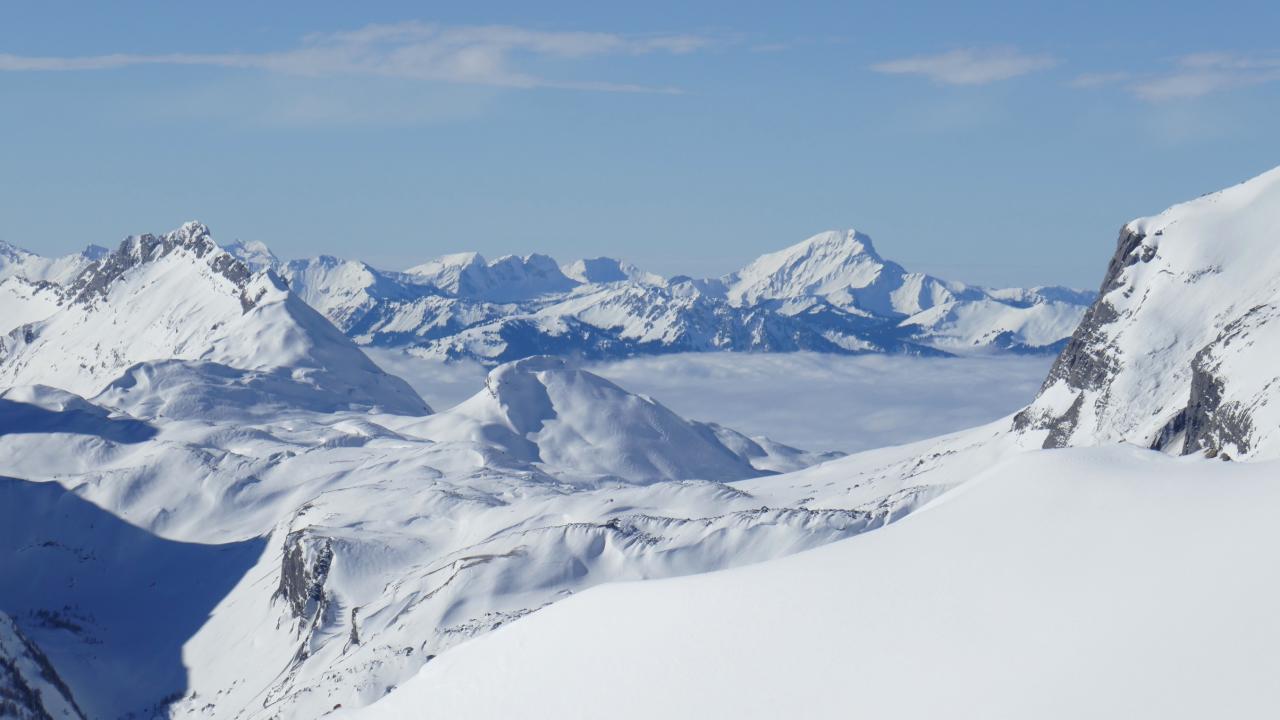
x: 1181, y: 350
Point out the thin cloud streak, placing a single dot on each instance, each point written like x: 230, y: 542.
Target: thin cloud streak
x: 1201, y: 74
x: 968, y: 67
x: 480, y: 55
x: 1191, y: 76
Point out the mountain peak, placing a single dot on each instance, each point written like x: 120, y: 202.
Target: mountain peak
x: 192, y: 239
x: 544, y: 409
x: 830, y: 262
x: 177, y: 316
x: 846, y: 242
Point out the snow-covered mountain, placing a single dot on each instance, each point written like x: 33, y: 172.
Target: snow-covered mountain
x: 16, y: 262
x: 243, y: 476
x: 830, y: 293
x: 579, y: 425
x: 30, y: 285
x: 127, y: 317
x: 218, y: 507
x: 388, y: 538
x: 1023, y: 583
x: 1103, y: 583
x: 1178, y: 353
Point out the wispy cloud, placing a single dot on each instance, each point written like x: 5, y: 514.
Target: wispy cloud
x: 1204, y: 73
x: 1189, y: 76
x: 968, y: 67
x: 495, y: 55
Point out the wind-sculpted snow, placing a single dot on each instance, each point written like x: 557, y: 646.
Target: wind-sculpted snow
x: 1178, y: 352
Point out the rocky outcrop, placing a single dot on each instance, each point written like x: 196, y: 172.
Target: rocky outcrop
x: 1090, y: 358
x: 95, y: 281
x: 303, y: 571
x: 30, y: 687
x: 1177, y: 352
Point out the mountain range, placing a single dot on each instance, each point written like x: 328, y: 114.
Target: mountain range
x: 1102, y: 553
x: 216, y: 506
x: 830, y: 293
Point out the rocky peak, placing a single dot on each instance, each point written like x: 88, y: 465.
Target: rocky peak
x: 192, y: 239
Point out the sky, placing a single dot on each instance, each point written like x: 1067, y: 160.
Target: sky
x: 995, y: 143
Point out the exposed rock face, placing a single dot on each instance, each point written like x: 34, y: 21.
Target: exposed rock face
x: 303, y: 571
x: 95, y: 281
x: 30, y: 688
x: 1177, y: 353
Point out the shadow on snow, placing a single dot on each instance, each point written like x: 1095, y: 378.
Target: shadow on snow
x: 109, y: 603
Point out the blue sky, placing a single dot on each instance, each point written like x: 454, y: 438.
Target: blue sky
x: 999, y: 143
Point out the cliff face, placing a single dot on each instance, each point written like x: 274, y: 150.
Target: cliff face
x: 1177, y: 352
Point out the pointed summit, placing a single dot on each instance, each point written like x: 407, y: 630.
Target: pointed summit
x: 836, y: 261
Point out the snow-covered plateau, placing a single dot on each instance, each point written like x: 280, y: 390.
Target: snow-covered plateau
x: 214, y: 504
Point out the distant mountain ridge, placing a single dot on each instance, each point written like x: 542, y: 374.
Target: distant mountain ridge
x: 830, y: 293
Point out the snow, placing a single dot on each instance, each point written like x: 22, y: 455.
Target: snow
x: 508, y: 278
x: 191, y: 303
x: 1068, y: 584
x: 579, y: 425
x: 215, y: 505
x: 825, y: 264
x: 809, y: 400
x: 1198, y: 294
x: 830, y: 293
x: 608, y: 270
x: 30, y: 688
x: 17, y: 262
x: 23, y: 301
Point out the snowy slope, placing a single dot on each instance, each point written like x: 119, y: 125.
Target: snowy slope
x: 608, y: 270
x: 841, y: 266
x: 1086, y: 583
x: 180, y: 297
x: 229, y: 512
x: 578, y: 425
x: 16, y: 262
x: 351, y: 294
x: 347, y: 548
x: 30, y: 688
x: 24, y: 301
x: 1179, y: 350
x: 506, y: 279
